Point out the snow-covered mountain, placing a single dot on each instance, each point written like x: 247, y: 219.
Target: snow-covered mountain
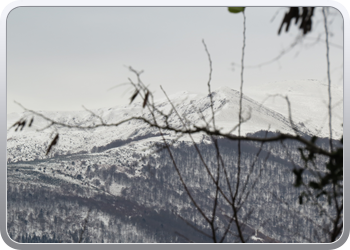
x: 307, y: 99
x: 130, y: 186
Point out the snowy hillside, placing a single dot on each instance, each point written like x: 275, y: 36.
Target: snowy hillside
x: 308, y: 101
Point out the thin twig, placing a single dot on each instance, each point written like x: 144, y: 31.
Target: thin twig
x: 329, y: 80
x: 209, y: 89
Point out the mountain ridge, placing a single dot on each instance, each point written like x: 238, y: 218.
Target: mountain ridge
x: 189, y: 105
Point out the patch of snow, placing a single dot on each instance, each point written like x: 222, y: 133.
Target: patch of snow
x: 116, y: 189
x: 257, y: 238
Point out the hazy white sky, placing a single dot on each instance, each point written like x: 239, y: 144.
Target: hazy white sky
x: 60, y: 58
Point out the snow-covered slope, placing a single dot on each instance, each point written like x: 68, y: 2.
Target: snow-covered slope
x: 308, y: 109
x: 308, y: 100
x: 226, y: 109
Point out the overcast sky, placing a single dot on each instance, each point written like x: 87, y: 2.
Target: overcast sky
x: 60, y: 58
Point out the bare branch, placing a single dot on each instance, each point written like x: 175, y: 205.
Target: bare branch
x: 329, y: 81
x: 209, y: 90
